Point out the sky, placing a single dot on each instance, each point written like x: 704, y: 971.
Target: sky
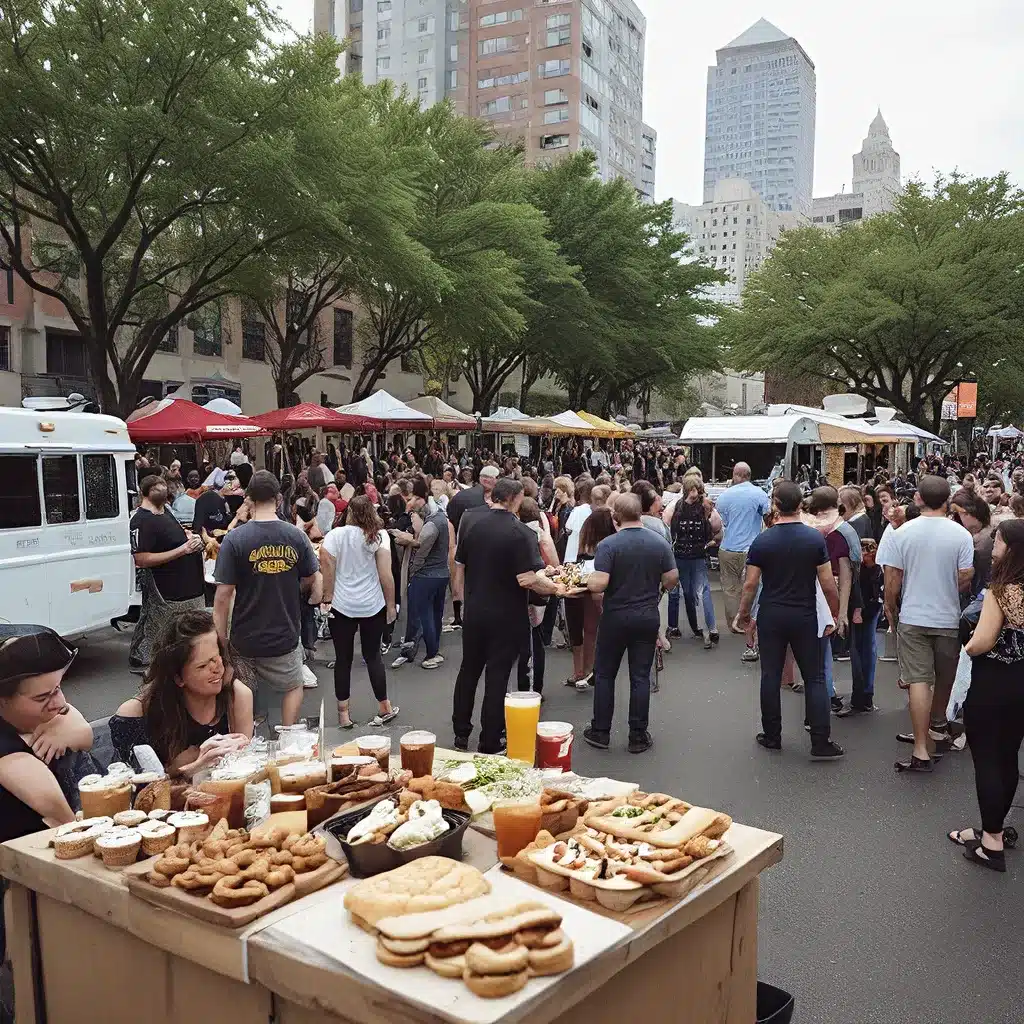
x: 947, y: 74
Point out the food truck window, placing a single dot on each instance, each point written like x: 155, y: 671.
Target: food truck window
x: 101, y: 500
x: 19, y: 500
x: 60, y: 489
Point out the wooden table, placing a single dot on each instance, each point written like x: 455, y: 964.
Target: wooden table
x: 78, y: 940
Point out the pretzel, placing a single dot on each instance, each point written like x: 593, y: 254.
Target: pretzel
x: 292, y: 839
x: 279, y: 876
x: 236, y: 891
x: 258, y: 870
x: 303, y: 864
x: 215, y: 848
x: 195, y: 882
x: 272, y: 839
x: 282, y: 857
x: 169, y: 866
x: 158, y: 880
x: 309, y: 846
x: 220, y: 830
x: 236, y: 848
x: 248, y: 857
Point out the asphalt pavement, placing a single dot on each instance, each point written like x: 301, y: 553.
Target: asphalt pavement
x: 872, y: 917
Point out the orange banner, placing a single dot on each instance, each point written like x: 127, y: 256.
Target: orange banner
x: 966, y: 401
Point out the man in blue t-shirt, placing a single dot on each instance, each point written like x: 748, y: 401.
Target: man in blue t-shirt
x: 631, y: 568
x: 787, y: 560
x: 742, y: 508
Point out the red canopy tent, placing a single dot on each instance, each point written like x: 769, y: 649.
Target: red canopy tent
x: 309, y: 416
x: 182, y: 420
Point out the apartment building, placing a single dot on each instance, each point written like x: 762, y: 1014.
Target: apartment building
x: 559, y: 74
x: 761, y: 101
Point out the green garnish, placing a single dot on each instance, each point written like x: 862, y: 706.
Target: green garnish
x: 627, y: 811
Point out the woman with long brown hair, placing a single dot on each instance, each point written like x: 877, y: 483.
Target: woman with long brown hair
x: 994, y: 709
x: 191, y: 709
x: 359, y: 587
x: 599, y: 524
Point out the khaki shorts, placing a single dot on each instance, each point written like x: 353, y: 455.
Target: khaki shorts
x: 927, y: 655
x: 280, y: 674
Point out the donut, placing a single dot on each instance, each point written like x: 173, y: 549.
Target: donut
x: 238, y: 892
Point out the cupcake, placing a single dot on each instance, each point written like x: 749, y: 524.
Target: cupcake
x: 157, y: 836
x: 192, y: 826
x: 130, y: 818
x: 119, y: 847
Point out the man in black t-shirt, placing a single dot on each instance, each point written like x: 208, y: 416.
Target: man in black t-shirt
x: 496, y: 562
x: 173, y: 564
x: 460, y: 504
x: 211, y: 513
x: 787, y: 560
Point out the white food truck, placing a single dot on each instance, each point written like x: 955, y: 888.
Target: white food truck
x: 67, y: 489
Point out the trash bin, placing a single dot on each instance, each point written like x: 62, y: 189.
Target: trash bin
x: 774, y: 1005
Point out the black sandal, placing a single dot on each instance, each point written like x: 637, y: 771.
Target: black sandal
x: 915, y: 764
x: 957, y: 836
x: 994, y: 860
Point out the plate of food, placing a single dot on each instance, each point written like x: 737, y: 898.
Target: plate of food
x: 570, y: 578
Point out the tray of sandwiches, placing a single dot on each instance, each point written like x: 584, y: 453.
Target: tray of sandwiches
x: 230, y: 877
x: 622, y: 853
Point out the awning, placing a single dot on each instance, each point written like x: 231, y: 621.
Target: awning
x: 608, y: 428
x: 181, y: 420
x: 445, y: 417
x: 309, y: 416
x: 385, y: 412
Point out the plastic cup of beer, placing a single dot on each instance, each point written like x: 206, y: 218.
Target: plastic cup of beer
x: 418, y: 752
x: 516, y: 823
x: 378, y: 747
x: 522, y: 713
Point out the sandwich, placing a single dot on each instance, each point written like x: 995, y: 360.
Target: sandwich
x: 657, y: 827
x: 430, y: 883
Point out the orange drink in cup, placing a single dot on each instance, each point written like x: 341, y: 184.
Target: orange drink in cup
x: 522, y: 713
x: 516, y: 823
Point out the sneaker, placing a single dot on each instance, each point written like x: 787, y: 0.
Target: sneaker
x: 673, y: 633
x: 461, y: 743
x: 707, y: 643
x: 435, y: 662
x: 400, y: 661
x: 454, y: 624
x: 837, y: 704
x: 309, y: 680
x: 854, y: 709
x: 750, y: 654
x: 639, y: 742
x: 601, y: 740
x: 585, y: 684
x: 841, y: 657
x: 829, y: 751
x: 714, y: 638
x: 448, y: 628
x: 384, y: 647
x: 763, y: 741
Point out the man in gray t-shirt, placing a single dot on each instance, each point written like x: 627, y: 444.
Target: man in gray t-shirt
x: 631, y: 568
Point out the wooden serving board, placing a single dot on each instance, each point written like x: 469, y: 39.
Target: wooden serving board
x: 206, y: 910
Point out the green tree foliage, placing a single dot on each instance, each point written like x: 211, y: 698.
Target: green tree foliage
x: 899, y: 309
x: 638, y: 319
x: 146, y: 144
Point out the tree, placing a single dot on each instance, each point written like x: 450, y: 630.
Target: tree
x: 362, y: 198
x: 638, y: 318
x: 485, y: 241
x: 899, y: 309
x: 145, y: 148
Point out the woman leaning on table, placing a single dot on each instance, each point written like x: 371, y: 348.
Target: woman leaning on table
x: 994, y: 709
x: 191, y: 710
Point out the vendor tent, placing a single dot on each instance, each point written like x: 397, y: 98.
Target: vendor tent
x: 309, y: 416
x: 181, y: 420
x: 382, y: 411
x: 606, y: 428
x: 1006, y: 433
x: 443, y: 415
x: 224, y: 405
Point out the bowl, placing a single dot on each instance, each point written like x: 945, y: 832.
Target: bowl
x: 367, y: 859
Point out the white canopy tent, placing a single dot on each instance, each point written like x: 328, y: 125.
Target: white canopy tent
x: 388, y: 412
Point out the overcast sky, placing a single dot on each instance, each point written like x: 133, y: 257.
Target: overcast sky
x: 946, y: 73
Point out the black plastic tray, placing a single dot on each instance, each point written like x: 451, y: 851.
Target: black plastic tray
x: 365, y: 860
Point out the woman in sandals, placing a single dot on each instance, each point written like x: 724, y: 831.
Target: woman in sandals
x: 994, y: 709
x: 359, y: 587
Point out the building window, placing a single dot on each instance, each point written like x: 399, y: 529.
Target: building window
x: 453, y: 21
x: 343, y: 338
x: 101, y: 501
x: 814, y: 220
x: 501, y: 105
x: 830, y: 219
x: 384, y: 34
x: 501, y: 18
x: 383, y: 6
x: 554, y: 141
x: 169, y: 342
x: 517, y: 79
x: 5, y: 348
x: 383, y: 64
x: 19, y: 498
x: 453, y: 79
x: 60, y: 489
x: 553, y: 96
x: 206, y: 331
x: 254, y: 340
x: 558, y: 37
x: 423, y: 25
x: 65, y: 355
x: 453, y: 52
x: 559, y: 20
x: 555, y: 116
x: 553, y: 68
x: 421, y: 84
x: 500, y: 44
x: 422, y: 57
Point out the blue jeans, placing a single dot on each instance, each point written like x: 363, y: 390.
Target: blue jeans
x: 777, y: 629
x: 635, y: 635
x: 863, y: 657
x: 825, y: 642
x: 695, y: 585
x: 426, y: 607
